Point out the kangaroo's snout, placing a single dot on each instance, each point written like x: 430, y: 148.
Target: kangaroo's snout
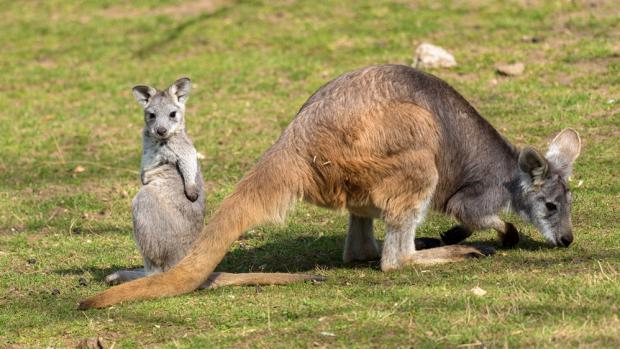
x: 161, y: 131
x: 566, y: 239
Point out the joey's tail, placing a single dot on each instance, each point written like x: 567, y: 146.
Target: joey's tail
x: 265, y: 193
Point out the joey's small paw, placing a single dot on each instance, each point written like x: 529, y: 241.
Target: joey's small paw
x: 192, y: 193
x: 455, y: 235
x: 511, y: 237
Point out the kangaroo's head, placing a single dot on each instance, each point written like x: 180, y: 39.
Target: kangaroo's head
x: 546, y: 200
x: 164, y: 111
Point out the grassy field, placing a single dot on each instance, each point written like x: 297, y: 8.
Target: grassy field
x: 70, y: 146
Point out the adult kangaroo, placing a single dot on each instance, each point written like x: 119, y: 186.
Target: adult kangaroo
x: 385, y: 142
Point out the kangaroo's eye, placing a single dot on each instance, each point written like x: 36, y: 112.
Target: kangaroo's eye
x: 551, y: 206
x: 151, y: 116
x: 173, y: 114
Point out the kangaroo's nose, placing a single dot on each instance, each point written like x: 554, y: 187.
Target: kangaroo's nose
x: 161, y: 131
x: 566, y: 240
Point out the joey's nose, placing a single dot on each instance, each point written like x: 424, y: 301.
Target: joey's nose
x: 566, y: 240
x: 161, y: 131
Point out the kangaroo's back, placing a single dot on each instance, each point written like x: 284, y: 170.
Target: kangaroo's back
x: 390, y: 109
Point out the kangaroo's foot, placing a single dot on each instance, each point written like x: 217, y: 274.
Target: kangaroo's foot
x: 445, y: 254
x: 455, y: 235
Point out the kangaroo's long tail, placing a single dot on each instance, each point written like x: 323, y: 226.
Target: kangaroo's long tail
x: 265, y: 193
x: 218, y: 279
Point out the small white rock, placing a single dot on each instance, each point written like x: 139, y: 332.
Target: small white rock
x: 478, y: 291
x: 200, y: 156
x: 431, y: 56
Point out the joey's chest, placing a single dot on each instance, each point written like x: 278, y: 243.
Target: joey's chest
x: 156, y: 155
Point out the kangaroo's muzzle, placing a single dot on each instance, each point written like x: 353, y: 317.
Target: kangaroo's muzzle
x: 566, y: 239
x: 161, y: 131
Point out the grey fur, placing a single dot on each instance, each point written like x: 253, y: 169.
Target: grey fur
x: 169, y: 210
x: 360, y: 244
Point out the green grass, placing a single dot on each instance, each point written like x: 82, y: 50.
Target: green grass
x: 66, y: 73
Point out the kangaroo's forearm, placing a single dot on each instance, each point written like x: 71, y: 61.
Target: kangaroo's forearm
x: 188, y: 170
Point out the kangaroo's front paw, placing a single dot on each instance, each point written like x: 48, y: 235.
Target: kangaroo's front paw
x: 426, y: 243
x: 511, y: 237
x: 455, y: 235
x: 191, y: 191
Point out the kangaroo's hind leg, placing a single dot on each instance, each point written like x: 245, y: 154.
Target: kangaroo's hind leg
x: 406, y: 198
x: 397, y: 251
x: 360, y: 244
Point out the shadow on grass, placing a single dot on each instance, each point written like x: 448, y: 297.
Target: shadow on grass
x: 172, y: 34
x: 306, y: 254
x: 98, y: 273
x: 300, y: 254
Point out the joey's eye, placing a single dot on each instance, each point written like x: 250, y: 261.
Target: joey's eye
x: 551, y: 206
x: 151, y: 116
x: 173, y: 114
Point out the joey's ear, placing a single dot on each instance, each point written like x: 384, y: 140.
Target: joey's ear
x: 533, y: 165
x: 143, y: 94
x: 563, y: 150
x: 180, y: 89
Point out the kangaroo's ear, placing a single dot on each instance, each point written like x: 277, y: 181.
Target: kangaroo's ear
x: 563, y: 151
x: 180, y: 89
x: 143, y: 94
x: 533, y: 166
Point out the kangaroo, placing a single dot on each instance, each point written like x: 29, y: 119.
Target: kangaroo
x: 169, y: 210
x: 387, y: 142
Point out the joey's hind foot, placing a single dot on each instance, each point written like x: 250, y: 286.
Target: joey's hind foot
x: 113, y: 279
x: 455, y: 235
